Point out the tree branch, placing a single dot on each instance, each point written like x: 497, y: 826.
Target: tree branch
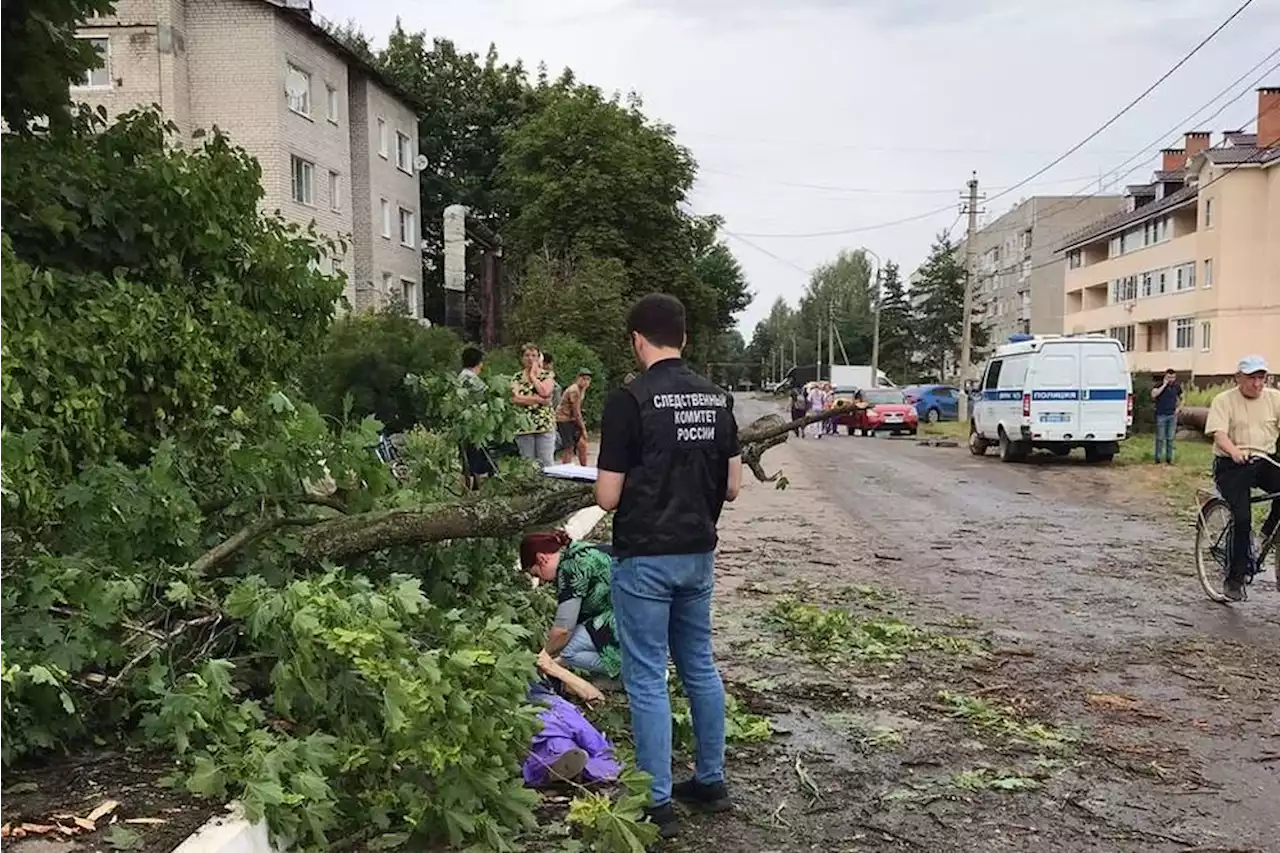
x: 220, y: 553
x: 472, y: 518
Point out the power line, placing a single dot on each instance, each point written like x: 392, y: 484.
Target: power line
x: 1076, y: 199
x: 1006, y: 191
x: 861, y: 190
x: 1163, y: 77
x: 856, y: 230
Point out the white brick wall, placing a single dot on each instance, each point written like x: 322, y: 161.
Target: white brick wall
x: 379, y: 178
x: 223, y: 63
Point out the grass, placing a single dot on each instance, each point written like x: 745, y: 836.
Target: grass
x: 945, y: 429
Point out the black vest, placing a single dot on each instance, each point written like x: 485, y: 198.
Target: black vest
x: 671, y: 501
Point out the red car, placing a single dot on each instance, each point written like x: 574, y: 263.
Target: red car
x: 887, y: 410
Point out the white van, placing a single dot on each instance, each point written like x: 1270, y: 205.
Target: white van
x: 1053, y: 392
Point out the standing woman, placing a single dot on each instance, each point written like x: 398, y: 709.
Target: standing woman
x: 531, y: 390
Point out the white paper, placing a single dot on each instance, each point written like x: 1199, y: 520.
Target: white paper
x: 581, y: 473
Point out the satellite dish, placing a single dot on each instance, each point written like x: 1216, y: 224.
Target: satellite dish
x: 421, y: 162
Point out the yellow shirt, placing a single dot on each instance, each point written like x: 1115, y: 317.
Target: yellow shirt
x: 1253, y: 425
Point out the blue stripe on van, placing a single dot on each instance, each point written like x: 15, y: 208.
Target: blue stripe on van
x: 1108, y: 394
x: 996, y: 394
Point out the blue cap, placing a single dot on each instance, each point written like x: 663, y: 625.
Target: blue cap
x: 1252, y: 364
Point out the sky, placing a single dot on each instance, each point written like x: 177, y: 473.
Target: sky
x: 808, y: 117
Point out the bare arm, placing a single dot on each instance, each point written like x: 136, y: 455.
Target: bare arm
x: 557, y: 639
x: 1223, y: 442
x: 735, y: 479
x: 544, y: 385
x: 577, y: 412
x: 609, y: 488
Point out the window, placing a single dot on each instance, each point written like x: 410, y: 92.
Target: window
x: 388, y: 285
x: 100, y: 77
x: 1026, y: 240
x: 1124, y: 289
x: 409, y: 293
x: 304, y: 176
x: 297, y: 90
x: 1075, y: 259
x: 1183, y: 332
x: 993, y: 376
x: 1184, y: 277
x: 404, y: 152
x: 335, y: 191
x: 1206, y: 336
x: 331, y: 103
x: 386, y: 217
x: 408, y: 228
x: 1126, y: 335
x: 1208, y: 213
x: 1208, y: 272
x: 1116, y: 247
x: 382, y: 138
x: 1162, y: 282
x: 1026, y: 268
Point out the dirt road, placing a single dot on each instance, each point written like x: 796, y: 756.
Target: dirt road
x: 982, y: 657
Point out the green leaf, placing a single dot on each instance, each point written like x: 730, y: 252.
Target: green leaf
x: 122, y: 837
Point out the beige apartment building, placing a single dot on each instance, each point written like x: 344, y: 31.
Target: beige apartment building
x: 336, y: 141
x: 1188, y: 277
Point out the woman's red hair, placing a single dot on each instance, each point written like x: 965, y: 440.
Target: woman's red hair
x: 541, y: 543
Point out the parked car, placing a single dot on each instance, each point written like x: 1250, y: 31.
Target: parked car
x: 934, y: 402
x: 887, y: 411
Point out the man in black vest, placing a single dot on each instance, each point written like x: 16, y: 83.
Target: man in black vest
x: 669, y: 459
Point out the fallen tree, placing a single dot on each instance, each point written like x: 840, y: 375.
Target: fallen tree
x: 347, y: 535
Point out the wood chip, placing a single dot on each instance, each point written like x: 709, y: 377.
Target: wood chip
x: 148, y: 821
x: 5, y: 830
x: 85, y: 824
x: 38, y: 828
x: 103, y: 810
x: 1112, y: 701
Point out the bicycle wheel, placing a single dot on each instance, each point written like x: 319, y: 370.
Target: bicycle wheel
x: 1213, y: 533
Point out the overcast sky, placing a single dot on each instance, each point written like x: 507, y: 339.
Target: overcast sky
x: 828, y: 115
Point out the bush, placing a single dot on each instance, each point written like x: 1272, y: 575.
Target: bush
x: 142, y: 289
x: 367, y: 357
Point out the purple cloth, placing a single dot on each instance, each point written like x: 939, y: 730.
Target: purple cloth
x: 564, y: 728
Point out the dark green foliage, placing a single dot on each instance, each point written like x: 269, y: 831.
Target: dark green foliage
x: 939, y: 321
x: 41, y: 57
x: 143, y: 288
x: 366, y: 358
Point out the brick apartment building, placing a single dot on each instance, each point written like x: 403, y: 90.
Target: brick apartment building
x: 336, y: 141
x: 1188, y: 276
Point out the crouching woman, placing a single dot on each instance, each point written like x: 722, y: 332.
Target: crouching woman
x: 582, y: 635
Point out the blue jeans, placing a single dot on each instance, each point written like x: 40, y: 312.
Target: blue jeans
x: 1166, y: 425
x: 580, y: 652
x: 662, y: 603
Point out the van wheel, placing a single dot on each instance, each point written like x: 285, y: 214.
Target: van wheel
x: 977, y: 444
x: 1011, y: 451
x: 1095, y: 454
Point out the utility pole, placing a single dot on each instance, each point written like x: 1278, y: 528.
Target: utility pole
x: 831, y: 349
x: 970, y: 263
x: 875, y: 334
x: 818, y: 377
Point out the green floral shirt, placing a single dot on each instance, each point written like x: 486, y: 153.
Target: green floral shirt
x: 533, y: 419
x: 585, y: 574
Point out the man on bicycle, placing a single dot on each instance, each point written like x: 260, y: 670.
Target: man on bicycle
x: 1245, y: 424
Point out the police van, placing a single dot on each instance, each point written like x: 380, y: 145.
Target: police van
x: 1056, y: 393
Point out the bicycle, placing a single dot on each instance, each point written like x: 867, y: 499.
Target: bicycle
x: 1213, y: 539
